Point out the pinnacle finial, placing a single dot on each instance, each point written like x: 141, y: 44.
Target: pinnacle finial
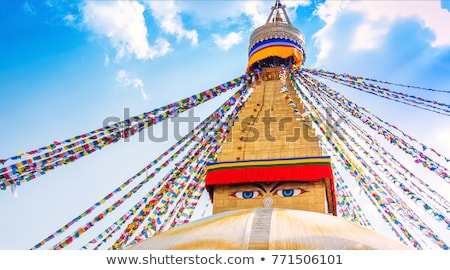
x: 277, y: 17
x: 278, y: 3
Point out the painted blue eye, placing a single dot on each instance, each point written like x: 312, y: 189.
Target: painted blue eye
x: 288, y: 192
x: 246, y: 194
x: 292, y: 192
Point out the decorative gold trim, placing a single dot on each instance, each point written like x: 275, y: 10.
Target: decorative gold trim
x: 277, y: 30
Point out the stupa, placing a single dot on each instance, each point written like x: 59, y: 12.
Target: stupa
x: 271, y: 186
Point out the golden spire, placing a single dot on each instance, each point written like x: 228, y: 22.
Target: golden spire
x: 278, y: 30
x: 277, y: 18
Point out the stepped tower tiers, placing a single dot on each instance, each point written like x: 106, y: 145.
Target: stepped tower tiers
x: 271, y: 159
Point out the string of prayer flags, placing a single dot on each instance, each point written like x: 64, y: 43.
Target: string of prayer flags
x: 191, y: 167
x: 171, y: 185
x: 367, y: 161
x: 358, y: 78
x: 39, y: 161
x: 200, y: 131
x: 416, y: 153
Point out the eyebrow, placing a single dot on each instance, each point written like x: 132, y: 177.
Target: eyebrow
x: 277, y: 185
x: 283, y: 183
x: 250, y: 184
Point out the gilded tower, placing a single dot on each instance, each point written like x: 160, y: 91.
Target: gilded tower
x: 270, y: 186
x: 271, y: 158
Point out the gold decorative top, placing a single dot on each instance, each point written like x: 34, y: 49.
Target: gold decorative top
x: 277, y: 30
x: 277, y: 27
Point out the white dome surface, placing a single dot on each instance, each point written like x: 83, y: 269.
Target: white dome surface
x: 273, y: 229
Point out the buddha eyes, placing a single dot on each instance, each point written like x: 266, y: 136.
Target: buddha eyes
x: 246, y: 194
x: 291, y: 192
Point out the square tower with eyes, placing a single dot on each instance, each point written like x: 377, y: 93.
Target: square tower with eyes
x: 300, y: 184
x: 308, y: 196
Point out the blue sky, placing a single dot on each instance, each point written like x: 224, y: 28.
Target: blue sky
x: 67, y: 65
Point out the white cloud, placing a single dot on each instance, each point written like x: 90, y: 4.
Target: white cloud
x: 106, y: 61
x: 257, y: 11
x: 378, y: 18
x: 324, y: 39
x: 223, y: 13
x: 441, y: 136
x: 167, y: 14
x: 228, y: 41
x: 368, y: 37
x: 69, y: 19
x: 218, y: 14
x: 28, y: 8
x: 292, y: 5
x: 428, y: 13
x: 127, y: 79
x: 124, y: 24
x: 226, y: 13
